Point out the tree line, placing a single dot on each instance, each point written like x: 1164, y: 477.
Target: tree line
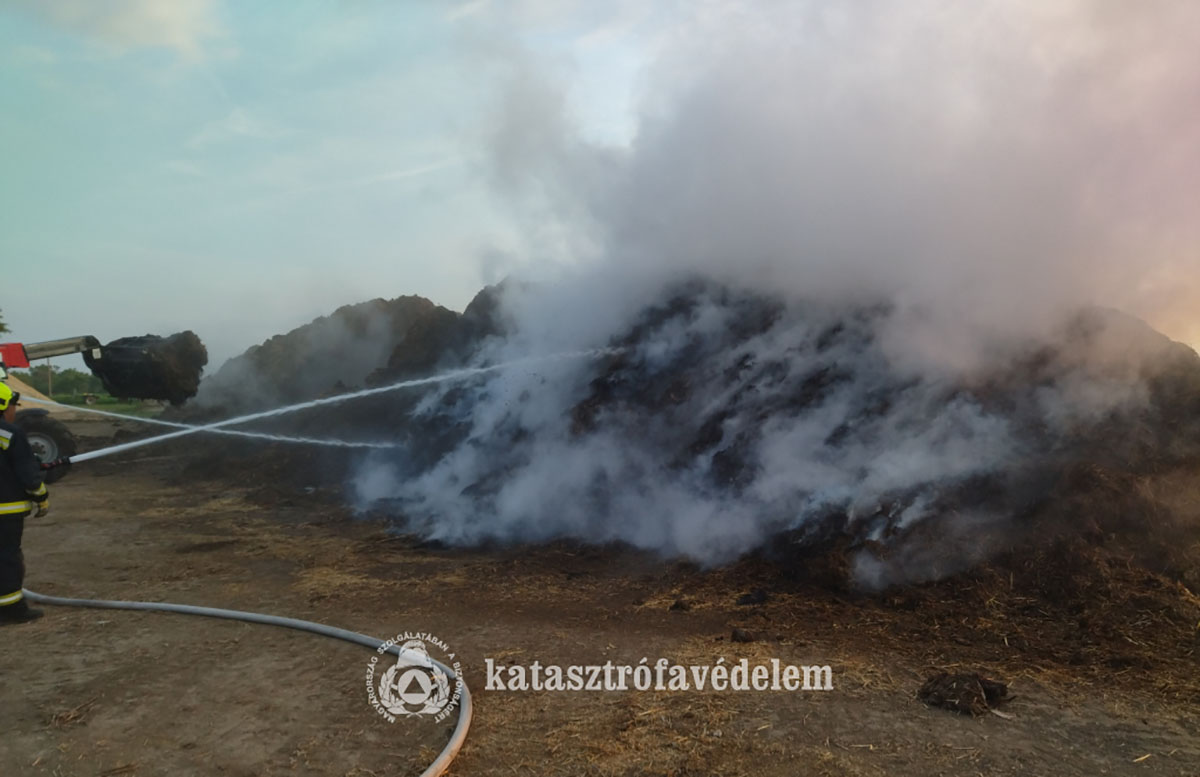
x: 65, y: 383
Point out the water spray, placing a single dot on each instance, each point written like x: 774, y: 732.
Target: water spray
x: 232, y: 432
x: 218, y: 426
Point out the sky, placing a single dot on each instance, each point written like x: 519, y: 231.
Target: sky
x: 240, y: 168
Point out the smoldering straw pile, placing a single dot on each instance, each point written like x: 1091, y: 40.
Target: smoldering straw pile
x: 861, y: 264
x: 727, y: 421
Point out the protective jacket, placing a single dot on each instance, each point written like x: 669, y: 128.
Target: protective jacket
x: 21, y: 486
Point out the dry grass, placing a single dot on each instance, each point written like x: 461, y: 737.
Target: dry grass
x: 76, y: 714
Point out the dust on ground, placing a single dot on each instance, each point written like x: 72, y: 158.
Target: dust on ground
x: 1103, y: 681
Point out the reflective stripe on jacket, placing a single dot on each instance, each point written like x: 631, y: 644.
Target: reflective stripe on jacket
x: 21, y: 475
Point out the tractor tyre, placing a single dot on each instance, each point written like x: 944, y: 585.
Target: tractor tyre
x: 50, y: 440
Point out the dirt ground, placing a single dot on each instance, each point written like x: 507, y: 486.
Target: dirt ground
x: 105, y: 693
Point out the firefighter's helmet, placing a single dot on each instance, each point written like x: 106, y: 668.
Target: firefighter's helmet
x: 7, y: 396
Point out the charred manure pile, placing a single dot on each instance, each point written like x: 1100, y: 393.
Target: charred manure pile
x: 151, y: 367
x: 731, y: 422
x: 356, y: 345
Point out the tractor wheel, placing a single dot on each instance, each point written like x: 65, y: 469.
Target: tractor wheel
x: 50, y: 439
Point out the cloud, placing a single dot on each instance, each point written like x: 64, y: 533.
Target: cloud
x: 464, y: 10
x: 239, y: 124
x: 403, y: 173
x: 32, y: 56
x: 181, y: 26
x: 184, y: 168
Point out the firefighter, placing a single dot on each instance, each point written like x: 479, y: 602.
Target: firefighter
x: 21, y: 491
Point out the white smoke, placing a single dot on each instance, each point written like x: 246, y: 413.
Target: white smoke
x: 981, y: 170
x: 808, y: 413
x: 995, y: 162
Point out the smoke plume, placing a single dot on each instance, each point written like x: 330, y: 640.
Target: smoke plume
x: 851, y: 256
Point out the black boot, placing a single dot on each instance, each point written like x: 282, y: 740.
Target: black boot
x: 20, y: 612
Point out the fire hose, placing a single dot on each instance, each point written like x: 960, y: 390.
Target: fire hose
x: 435, y: 769
x: 457, y: 737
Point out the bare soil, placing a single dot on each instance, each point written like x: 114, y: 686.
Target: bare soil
x: 1103, y: 680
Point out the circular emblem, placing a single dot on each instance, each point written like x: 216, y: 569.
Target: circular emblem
x: 415, y: 685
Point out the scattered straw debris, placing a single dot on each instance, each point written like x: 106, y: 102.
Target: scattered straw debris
x: 969, y: 693
x: 757, y: 596
x: 73, y: 715
x: 117, y: 770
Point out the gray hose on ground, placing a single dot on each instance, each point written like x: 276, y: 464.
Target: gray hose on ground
x: 440, y: 764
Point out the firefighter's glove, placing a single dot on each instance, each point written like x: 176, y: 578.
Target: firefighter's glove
x: 54, y: 471
x: 43, y: 507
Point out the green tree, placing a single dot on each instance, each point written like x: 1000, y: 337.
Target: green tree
x: 66, y: 383
x: 3, y: 326
x: 36, y: 376
x: 76, y: 382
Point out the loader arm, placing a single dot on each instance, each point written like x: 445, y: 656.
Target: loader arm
x: 30, y: 352
x: 146, y: 367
